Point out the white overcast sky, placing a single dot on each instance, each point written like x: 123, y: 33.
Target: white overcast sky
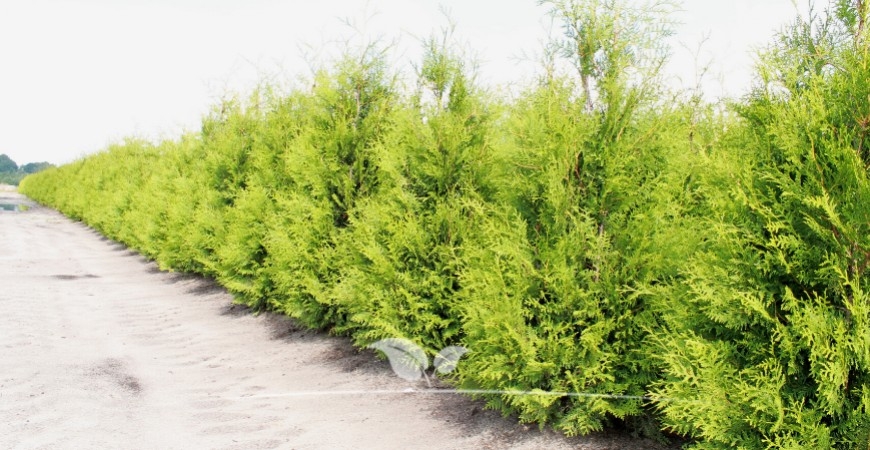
x: 77, y: 75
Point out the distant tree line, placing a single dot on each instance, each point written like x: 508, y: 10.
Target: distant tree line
x: 12, y: 173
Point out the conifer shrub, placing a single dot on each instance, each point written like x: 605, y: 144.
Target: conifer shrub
x: 589, y: 205
x: 768, y: 347
x: 327, y: 166
x: 401, y: 256
x: 186, y: 192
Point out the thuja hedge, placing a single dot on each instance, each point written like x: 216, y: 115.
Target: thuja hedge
x: 773, y: 322
x: 682, y: 270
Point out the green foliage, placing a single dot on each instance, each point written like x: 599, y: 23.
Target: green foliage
x: 402, y: 255
x: 330, y: 165
x: 601, y: 226
x: 11, y: 178
x: 11, y: 173
x: 614, y: 45
x: 7, y: 165
x: 34, y: 167
x: 672, y: 266
x: 772, y: 350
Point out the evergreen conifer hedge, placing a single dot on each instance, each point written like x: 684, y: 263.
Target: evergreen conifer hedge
x: 611, y: 253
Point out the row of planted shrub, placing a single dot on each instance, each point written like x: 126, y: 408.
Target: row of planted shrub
x: 682, y: 270
x: 526, y: 232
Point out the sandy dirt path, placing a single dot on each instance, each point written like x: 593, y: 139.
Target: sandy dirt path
x: 98, y: 349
